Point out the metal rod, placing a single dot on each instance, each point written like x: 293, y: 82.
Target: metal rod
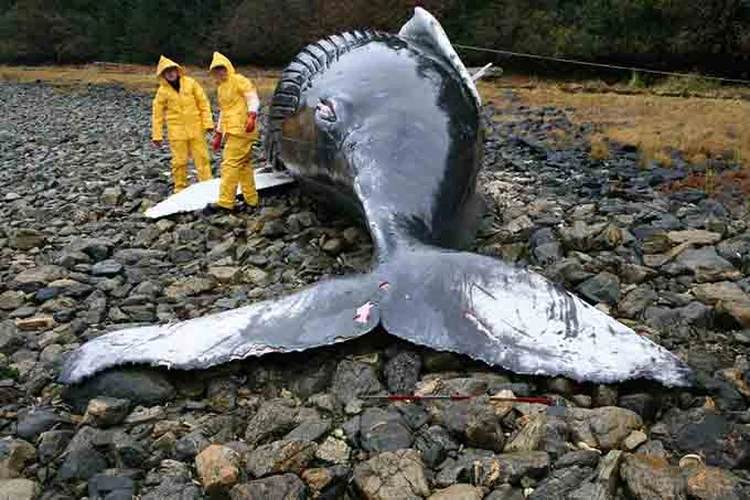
x: 459, y: 397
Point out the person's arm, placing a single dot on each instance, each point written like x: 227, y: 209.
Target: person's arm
x: 157, y: 117
x: 204, y: 106
x: 253, y: 103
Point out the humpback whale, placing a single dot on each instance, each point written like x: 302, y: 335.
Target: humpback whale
x: 389, y: 126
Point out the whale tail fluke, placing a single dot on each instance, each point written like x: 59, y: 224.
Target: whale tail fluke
x: 446, y: 300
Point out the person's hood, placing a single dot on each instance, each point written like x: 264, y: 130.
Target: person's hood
x: 164, y: 64
x: 221, y: 60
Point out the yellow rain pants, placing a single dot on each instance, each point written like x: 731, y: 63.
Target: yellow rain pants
x: 182, y: 151
x: 236, y: 168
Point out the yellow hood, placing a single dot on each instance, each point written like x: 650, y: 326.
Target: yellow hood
x: 166, y: 63
x: 221, y: 60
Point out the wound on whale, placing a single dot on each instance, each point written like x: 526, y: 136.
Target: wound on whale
x: 389, y: 125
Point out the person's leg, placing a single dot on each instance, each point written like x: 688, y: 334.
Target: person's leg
x: 246, y: 175
x: 199, y: 152
x: 232, y: 157
x: 180, y: 154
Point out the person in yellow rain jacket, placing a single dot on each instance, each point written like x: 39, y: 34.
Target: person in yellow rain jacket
x: 188, y: 115
x: 238, y: 103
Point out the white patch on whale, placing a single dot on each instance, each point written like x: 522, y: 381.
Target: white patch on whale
x: 425, y: 29
x: 198, y: 196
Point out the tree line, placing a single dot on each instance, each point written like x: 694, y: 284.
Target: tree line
x: 707, y: 35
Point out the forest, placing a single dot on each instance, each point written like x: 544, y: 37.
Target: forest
x: 710, y: 36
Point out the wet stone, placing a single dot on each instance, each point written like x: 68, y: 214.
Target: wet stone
x: 402, y: 372
x: 218, y: 468
x: 353, y: 379
x: 280, y: 457
x: 105, y: 411
x: 281, y: 487
x: 382, y: 430
x: 649, y: 478
x: 389, y: 475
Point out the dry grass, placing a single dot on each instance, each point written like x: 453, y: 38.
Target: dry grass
x: 700, y: 128
x: 136, y: 77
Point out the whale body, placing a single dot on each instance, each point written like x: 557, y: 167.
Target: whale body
x: 388, y: 125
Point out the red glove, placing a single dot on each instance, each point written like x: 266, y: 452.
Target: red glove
x: 156, y: 143
x: 251, y: 118
x: 216, y: 144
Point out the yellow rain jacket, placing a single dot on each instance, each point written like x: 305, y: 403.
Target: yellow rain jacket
x: 188, y: 111
x: 236, y: 95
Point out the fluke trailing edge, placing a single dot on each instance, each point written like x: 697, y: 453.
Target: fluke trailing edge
x: 389, y: 125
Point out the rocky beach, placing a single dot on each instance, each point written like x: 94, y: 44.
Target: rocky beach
x: 79, y: 259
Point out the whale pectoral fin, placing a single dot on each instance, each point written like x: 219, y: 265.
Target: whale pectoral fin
x: 323, y: 314
x: 512, y: 318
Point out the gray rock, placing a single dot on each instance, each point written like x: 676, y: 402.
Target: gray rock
x: 27, y: 238
x: 108, y: 268
x: 486, y: 469
x: 637, y: 301
x: 34, y: 421
x: 274, y: 419
x: 106, y: 411
x: 112, y: 196
x: 190, y: 445
x: 280, y: 457
x: 389, y: 475
x: 283, y: 487
x: 545, y: 248
x: 111, y: 485
x: 353, y: 379
x: 10, y: 338
x: 309, y: 430
x: 15, y: 455
x: 706, y: 264
x: 52, y: 444
x: 402, y: 372
x: 174, y: 491
x: 19, y: 489
x: 474, y: 422
x: 648, y: 478
x: 435, y: 443
x: 604, y: 428
x: 505, y: 492
x: 644, y: 404
x: 82, y: 462
x: 561, y: 482
x: 459, y: 492
x: 722, y: 443
x: 128, y: 452
x: 382, y: 430
x: 141, y: 387
x: 189, y: 287
x: 273, y: 229
x: 604, y: 287
x: 581, y: 458
x: 35, y: 278
x: 11, y: 299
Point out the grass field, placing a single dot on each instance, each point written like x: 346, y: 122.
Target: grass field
x: 697, y: 118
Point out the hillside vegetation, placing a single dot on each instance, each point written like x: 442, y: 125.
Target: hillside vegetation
x: 710, y: 36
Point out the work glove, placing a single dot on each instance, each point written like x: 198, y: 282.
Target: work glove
x: 251, y: 118
x: 216, y: 144
x: 156, y: 143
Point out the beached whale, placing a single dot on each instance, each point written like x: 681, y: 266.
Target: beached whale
x: 389, y: 125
